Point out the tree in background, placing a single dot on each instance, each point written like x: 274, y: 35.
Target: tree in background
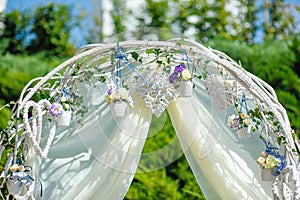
x: 15, y: 32
x: 199, y: 19
x: 51, y: 26
x: 278, y: 19
x: 47, y: 29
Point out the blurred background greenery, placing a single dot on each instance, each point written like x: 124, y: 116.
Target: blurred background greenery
x: 37, y: 40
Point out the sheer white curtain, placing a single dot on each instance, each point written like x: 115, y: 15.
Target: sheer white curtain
x: 97, y: 160
x: 224, y: 166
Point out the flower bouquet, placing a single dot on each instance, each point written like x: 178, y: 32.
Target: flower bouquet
x: 271, y: 164
x: 181, y: 77
x: 241, y: 124
x: 119, y: 99
x: 18, y: 179
x: 62, y: 111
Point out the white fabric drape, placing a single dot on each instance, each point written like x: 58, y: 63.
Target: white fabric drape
x: 223, y: 167
x: 97, y: 160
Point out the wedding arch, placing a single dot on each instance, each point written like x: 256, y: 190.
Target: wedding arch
x: 79, y: 131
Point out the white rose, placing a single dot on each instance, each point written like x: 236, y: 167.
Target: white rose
x: 21, y: 168
x: 67, y: 106
x: 186, y: 75
x: 123, y: 93
x: 230, y: 120
x: 14, y: 167
x: 115, y: 97
x: 63, y: 99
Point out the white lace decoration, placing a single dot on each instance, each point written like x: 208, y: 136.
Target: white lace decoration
x: 223, y: 92
x: 34, y: 130
x: 156, y: 95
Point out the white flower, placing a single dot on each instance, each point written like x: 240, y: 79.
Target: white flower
x: 244, y: 116
x: 67, y: 106
x: 230, y: 120
x: 14, y: 167
x: 21, y: 168
x: 63, y: 99
x: 186, y: 75
x: 123, y: 93
x: 271, y: 162
x: 246, y: 122
x: 115, y: 97
x: 261, y: 160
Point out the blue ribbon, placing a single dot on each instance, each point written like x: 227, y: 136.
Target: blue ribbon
x: 188, y: 60
x: 123, y: 57
x: 66, y: 93
x: 244, y: 104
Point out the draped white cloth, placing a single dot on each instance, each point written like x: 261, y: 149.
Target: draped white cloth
x: 98, y: 160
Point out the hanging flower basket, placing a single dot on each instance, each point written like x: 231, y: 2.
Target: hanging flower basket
x: 244, y: 132
x: 266, y: 174
x: 61, y: 116
x: 17, y: 180
x: 185, y: 88
x: 119, y: 99
x: 119, y: 108
x: 181, y: 78
x: 14, y: 185
x: 64, y: 119
x: 271, y: 163
x: 241, y: 124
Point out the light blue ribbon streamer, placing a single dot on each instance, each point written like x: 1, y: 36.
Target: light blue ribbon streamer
x: 244, y: 104
x: 123, y: 57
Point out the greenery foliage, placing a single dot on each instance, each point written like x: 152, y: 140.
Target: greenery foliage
x: 46, y: 29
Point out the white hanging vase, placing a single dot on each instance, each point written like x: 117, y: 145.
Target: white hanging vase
x: 266, y: 174
x: 244, y: 132
x: 64, y: 119
x: 185, y: 88
x: 14, y: 185
x: 119, y: 108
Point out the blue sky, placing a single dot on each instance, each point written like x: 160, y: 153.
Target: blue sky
x: 88, y: 6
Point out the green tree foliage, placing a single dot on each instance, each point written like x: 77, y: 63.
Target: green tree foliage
x: 278, y: 19
x: 15, y: 31
x: 46, y: 29
x: 51, y: 28
x: 16, y: 71
x: 119, y: 15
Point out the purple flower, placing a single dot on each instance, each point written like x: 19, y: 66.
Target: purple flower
x: 173, y: 77
x: 56, y: 109
x: 179, y: 68
x: 110, y: 91
x: 235, y: 124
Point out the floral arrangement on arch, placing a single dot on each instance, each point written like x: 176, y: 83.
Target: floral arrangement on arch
x: 18, y: 178
x: 237, y: 122
x: 61, y: 111
x: 181, y: 78
x: 271, y: 162
x: 180, y: 73
x: 119, y: 94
